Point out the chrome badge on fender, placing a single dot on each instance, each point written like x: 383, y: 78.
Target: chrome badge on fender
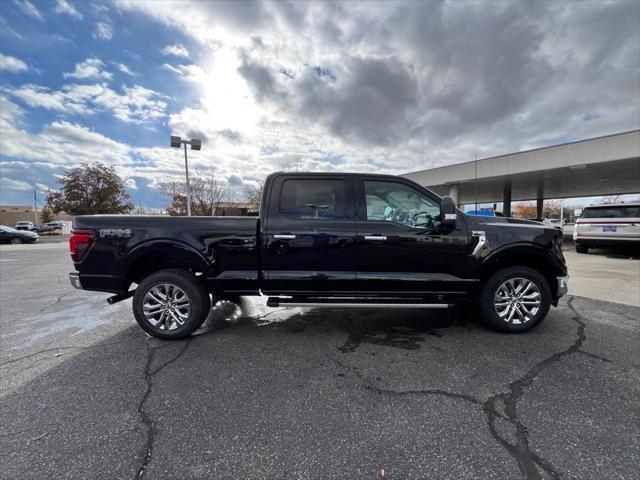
x: 115, y: 232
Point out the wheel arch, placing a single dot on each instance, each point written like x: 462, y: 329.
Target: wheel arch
x: 153, y: 256
x: 531, y: 255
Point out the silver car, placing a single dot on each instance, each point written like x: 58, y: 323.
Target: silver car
x: 24, y: 225
x: 605, y: 226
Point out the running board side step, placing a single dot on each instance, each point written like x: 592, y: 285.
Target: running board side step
x: 352, y: 303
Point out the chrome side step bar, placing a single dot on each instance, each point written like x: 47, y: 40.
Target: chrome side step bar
x: 367, y: 305
x: 343, y: 303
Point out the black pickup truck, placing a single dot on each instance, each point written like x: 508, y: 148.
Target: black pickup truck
x: 324, y: 240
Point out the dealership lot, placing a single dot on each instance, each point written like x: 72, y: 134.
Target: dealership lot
x: 299, y: 393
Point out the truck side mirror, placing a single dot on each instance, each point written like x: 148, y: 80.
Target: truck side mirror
x: 448, y: 213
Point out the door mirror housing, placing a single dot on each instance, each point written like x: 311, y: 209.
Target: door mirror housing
x: 448, y: 213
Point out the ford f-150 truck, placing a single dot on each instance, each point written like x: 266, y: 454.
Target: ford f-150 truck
x: 324, y: 240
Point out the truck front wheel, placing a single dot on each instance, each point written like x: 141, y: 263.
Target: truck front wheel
x: 515, y: 299
x: 170, y: 304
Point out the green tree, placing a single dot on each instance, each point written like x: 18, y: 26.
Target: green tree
x: 46, y: 215
x: 90, y: 189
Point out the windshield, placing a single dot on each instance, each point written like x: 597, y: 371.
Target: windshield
x: 611, y: 212
x: 8, y: 229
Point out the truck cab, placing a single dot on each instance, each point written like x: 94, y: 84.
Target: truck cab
x: 325, y: 240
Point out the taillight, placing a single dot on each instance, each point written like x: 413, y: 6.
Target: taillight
x: 80, y: 242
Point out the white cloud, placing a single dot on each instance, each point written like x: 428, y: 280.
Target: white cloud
x: 131, y: 183
x: 103, y: 30
x: 64, y: 7
x: 30, y: 9
x: 448, y: 83
x: 12, y: 64
x: 177, y: 50
x: 10, y: 184
x: 91, y: 68
x: 124, y: 69
x: 134, y: 105
x: 191, y: 73
x: 377, y: 87
x: 9, y: 111
x: 63, y: 143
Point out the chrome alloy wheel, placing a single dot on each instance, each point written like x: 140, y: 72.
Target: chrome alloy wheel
x: 166, y: 306
x: 517, y: 300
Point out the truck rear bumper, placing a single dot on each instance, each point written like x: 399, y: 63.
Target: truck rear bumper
x: 97, y: 283
x: 607, y: 241
x: 74, y: 279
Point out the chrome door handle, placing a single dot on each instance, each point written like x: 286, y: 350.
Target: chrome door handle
x: 284, y: 237
x: 375, y: 237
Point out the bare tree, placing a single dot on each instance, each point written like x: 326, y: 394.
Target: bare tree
x: 610, y: 200
x: 254, y: 194
x: 207, y: 193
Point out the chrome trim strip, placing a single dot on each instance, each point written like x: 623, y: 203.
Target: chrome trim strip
x: 367, y: 305
x: 375, y: 237
x: 482, y: 240
x: 284, y: 237
x: 563, y: 286
x: 74, y: 279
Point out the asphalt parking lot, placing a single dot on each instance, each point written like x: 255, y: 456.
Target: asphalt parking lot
x: 295, y: 393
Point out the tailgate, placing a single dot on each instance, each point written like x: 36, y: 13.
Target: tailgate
x: 608, y: 228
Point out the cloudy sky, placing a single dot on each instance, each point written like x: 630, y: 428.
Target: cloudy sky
x: 372, y: 87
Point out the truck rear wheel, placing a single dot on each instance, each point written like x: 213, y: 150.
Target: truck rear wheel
x: 170, y: 304
x: 515, y: 299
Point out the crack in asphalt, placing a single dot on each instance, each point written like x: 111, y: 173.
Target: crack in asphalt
x: 528, y: 461
x: 68, y: 347
x: 144, y: 416
x: 54, y: 303
x: 383, y: 391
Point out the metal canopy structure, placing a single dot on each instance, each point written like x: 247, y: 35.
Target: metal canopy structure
x: 608, y: 165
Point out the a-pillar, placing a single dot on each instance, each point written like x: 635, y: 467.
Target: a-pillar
x: 506, y: 198
x: 453, y: 192
x: 540, y: 200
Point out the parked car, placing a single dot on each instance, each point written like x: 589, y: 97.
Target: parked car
x: 12, y: 235
x: 51, y: 227
x: 24, y: 225
x: 605, y: 226
x: 324, y: 240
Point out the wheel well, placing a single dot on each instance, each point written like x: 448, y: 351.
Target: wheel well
x: 163, y: 259
x: 521, y: 257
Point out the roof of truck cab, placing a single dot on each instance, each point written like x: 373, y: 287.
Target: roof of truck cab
x: 346, y: 174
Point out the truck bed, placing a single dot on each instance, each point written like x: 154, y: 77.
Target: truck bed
x: 223, y: 249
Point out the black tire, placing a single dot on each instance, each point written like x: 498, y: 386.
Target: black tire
x: 197, y: 296
x: 16, y: 241
x: 489, y: 312
x: 582, y: 248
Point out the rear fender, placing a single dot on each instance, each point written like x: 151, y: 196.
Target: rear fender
x: 160, y: 254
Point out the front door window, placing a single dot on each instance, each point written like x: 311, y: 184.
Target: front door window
x: 399, y: 203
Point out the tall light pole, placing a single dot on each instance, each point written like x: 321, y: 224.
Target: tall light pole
x: 195, y: 145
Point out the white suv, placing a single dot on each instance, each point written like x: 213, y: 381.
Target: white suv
x: 605, y: 226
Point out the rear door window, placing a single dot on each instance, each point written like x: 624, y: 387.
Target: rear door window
x: 313, y: 199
